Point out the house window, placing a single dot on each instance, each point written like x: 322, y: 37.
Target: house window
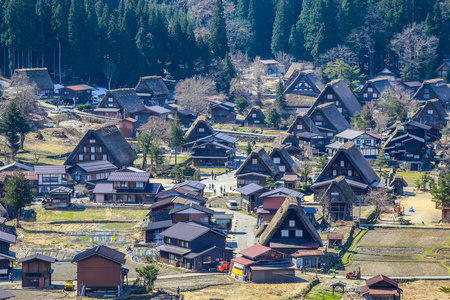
x: 430, y: 111
x: 80, y: 156
x: 329, y: 96
x: 291, y: 223
x: 168, y: 241
x: 85, y: 149
x: 139, y: 184
x: 334, y: 173
x: 99, y: 149
x: 416, y: 156
x: 110, y: 99
x: 339, y: 109
x: 300, y: 127
x: 110, y: 105
x: 201, y: 130
x: 318, y: 123
x: 375, y: 95
x: 89, y: 178
x: 349, y: 173
x: 398, y: 144
x: 205, y: 220
x: 92, y: 141
x: 426, y: 91
x: 426, y: 96
x: 342, y: 163
x: 276, y: 160
x: 93, y: 157
x: 365, y: 95
x: 282, y: 168
x: 329, y: 134
x: 256, y: 121
x: 105, y: 157
x: 207, y: 259
x: 77, y: 177
x: 318, y: 118
x: 336, y: 103
x: 92, y: 149
x: 186, y: 244
x: 254, y: 161
x: 171, y: 258
x: 370, y: 89
x: 253, y: 115
x: 299, y: 233
x: 284, y: 233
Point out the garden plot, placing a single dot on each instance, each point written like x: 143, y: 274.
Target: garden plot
x: 404, y: 238
x: 391, y: 250
x: 389, y: 268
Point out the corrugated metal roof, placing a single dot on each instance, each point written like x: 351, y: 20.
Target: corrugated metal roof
x: 103, y: 251
x: 49, y: 170
x: 129, y: 176
x: 250, y: 189
x: 39, y: 257
x: 5, y: 294
x: 7, y: 237
x: 98, y: 165
x: 254, y: 251
x: 103, y: 188
x: 335, y: 236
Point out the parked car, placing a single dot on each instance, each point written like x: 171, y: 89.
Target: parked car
x: 231, y: 204
x: 50, y: 124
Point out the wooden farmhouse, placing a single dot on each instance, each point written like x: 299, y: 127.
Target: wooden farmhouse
x: 307, y: 134
x: 127, y: 127
x: 427, y: 132
x: 338, y: 199
x: 373, y: 89
x: 50, y: 177
x: 152, y: 90
x: 297, y: 66
x: 283, y: 160
x: 7, y: 257
x: 349, y: 162
x: 37, y: 271
x: 199, y: 129
x: 338, y: 92
x: 434, y: 89
x: 302, y: 123
x: 328, y: 120
x: 431, y: 113
x: 193, y: 246
x: 60, y: 197
x: 335, y: 240
x: 153, y: 230
x: 290, y: 229
x: 255, y: 169
x: 191, y: 212
x: 290, y: 143
x: 442, y: 70
x: 250, y: 196
x: 367, y: 141
x: 397, y: 184
x: 127, y: 187
x: 92, y: 171
x: 99, y: 268
x: 272, y: 201
x: 160, y: 210
x: 222, y: 112
x: 105, y: 143
x: 262, y: 264
x: 304, y: 82
x: 75, y: 94
x: 255, y: 117
x: 186, y: 117
x: 120, y: 104
x: 38, y: 76
x: 381, y: 287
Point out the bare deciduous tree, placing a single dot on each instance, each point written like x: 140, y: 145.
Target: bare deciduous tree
x: 285, y: 59
x: 305, y: 168
x: 258, y: 71
x: 24, y: 94
x: 380, y: 198
x: 415, y: 51
x: 191, y: 93
x: 109, y: 70
x: 159, y: 129
x: 340, y: 53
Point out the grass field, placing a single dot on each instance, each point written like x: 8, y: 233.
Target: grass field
x: 89, y: 214
x: 323, y: 295
x: 411, y: 177
x: 404, y: 238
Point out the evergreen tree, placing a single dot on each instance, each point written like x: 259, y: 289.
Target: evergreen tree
x: 273, y: 117
x: 381, y: 162
x: 248, y: 149
x: 281, y: 29
x: 260, y: 16
x: 18, y: 193
x: 144, y: 143
x: 280, y: 98
x: 242, y: 8
x: 340, y: 70
x: 241, y: 104
x: 270, y: 183
x: 350, y: 15
x: 297, y: 42
x: 177, y: 138
x: 12, y: 125
x: 229, y: 67
x: 436, y: 25
x: 322, y: 162
x: 149, y: 274
x: 364, y: 119
x: 218, y: 38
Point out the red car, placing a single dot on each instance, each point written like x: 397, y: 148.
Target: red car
x: 223, y: 266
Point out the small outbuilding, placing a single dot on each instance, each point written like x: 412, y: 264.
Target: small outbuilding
x: 381, y: 287
x: 397, y: 184
x: 37, y: 271
x: 60, y: 197
x: 335, y: 239
x: 4, y: 294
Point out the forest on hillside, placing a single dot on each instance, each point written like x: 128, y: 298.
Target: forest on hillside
x: 96, y: 40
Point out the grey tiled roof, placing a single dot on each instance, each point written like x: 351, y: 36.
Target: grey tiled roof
x: 103, y: 251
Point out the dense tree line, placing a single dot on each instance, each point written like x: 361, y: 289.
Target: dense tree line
x: 117, y: 41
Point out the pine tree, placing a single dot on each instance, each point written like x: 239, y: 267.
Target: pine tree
x: 229, y: 67
x: 297, y: 42
x: 435, y: 25
x: 218, y: 38
x: 144, y: 143
x: 281, y: 29
x: 280, y: 98
x: 274, y: 117
x: 260, y: 16
x: 350, y: 16
x: 248, y: 149
x: 18, y: 193
x: 242, y: 8
x: 364, y: 119
x: 12, y: 125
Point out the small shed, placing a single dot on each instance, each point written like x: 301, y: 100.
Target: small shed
x: 60, y: 197
x: 397, y: 184
x: 272, y: 273
x: 335, y: 239
x: 37, y: 271
x: 290, y: 180
x: 308, y: 258
x: 338, y: 285
x: 127, y: 127
x: 4, y: 294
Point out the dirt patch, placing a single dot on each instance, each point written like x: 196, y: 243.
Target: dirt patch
x: 443, y: 251
x: 248, y: 291
x: 404, y: 237
x: 393, y: 250
x: 35, y: 294
x: 192, y: 282
x: 369, y: 268
x: 382, y: 257
x: 424, y: 290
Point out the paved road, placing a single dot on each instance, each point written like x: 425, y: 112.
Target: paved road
x: 243, y: 230
x: 226, y: 181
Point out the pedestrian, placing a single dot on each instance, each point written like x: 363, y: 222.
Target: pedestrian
x: 212, y: 173
x: 226, y: 171
x: 214, y: 192
x: 212, y: 185
x: 10, y: 276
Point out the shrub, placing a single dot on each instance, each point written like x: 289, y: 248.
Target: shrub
x: 84, y: 107
x: 39, y: 136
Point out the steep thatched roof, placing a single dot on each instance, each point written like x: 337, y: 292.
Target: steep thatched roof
x: 436, y: 104
x: 257, y: 111
x: 126, y: 98
x: 197, y: 122
x: 438, y: 87
x: 309, y: 76
x: 306, y: 120
x: 290, y: 204
x: 344, y: 93
x: 345, y: 191
x: 265, y: 160
x: 297, y: 66
x: 113, y: 142
x: 357, y: 160
x: 380, y: 84
x: 155, y: 84
x: 332, y: 114
x: 398, y: 181
x: 39, y: 76
x: 287, y: 159
x: 293, y: 100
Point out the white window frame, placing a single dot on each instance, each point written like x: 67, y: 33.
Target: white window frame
x: 139, y: 184
x: 298, y: 233
x: 284, y: 233
x: 92, y: 156
x: 254, y: 161
x: 291, y: 223
x: 365, y: 95
x: 350, y: 173
x: 334, y: 172
x: 329, y: 96
x: 80, y: 157
x: 430, y: 111
x: 201, y: 129
x: 375, y: 95
x: 105, y: 157
x: 342, y: 163
x: 370, y: 89
x: 276, y: 160
x: 254, y: 116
